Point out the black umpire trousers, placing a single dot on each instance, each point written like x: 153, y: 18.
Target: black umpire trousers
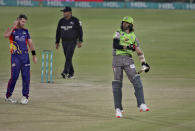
x: 68, y: 47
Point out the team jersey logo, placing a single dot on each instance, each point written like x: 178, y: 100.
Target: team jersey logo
x: 126, y: 39
x: 71, y: 23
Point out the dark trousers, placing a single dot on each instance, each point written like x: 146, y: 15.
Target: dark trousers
x: 69, y: 48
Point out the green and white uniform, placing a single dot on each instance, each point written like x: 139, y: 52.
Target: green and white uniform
x: 122, y: 60
x: 123, y: 57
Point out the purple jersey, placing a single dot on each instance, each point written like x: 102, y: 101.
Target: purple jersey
x: 18, y: 41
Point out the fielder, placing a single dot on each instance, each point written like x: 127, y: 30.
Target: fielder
x: 125, y: 43
x: 19, y: 39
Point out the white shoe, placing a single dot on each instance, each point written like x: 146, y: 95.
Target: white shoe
x: 71, y: 76
x: 143, y: 108
x: 24, y: 100
x: 118, y: 113
x: 10, y: 100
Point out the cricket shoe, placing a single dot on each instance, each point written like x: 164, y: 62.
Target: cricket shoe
x: 71, y: 76
x: 118, y: 113
x: 24, y: 100
x: 64, y: 75
x: 143, y: 108
x: 10, y: 100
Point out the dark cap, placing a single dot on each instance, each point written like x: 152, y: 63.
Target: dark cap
x: 66, y: 9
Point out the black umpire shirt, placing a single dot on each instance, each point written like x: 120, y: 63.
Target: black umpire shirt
x: 69, y: 30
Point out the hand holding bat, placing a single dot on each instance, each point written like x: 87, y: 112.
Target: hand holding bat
x: 145, y: 67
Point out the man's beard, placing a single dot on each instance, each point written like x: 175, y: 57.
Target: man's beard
x: 20, y: 26
x: 125, y: 28
x: 67, y: 16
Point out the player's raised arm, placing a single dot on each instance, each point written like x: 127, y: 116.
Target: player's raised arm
x: 9, y: 30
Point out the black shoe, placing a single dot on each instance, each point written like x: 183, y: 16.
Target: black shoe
x: 63, y: 75
x: 70, y: 76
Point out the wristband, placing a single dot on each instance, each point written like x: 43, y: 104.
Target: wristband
x: 33, y: 52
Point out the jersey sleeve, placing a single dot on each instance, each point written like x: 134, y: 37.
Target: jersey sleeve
x: 79, y: 29
x: 58, y: 35
x: 116, y: 40
x: 27, y: 35
x: 116, y: 35
x: 137, y: 43
x: 12, y: 33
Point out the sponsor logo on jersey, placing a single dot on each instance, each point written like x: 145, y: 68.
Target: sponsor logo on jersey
x: 22, y: 38
x: 17, y: 37
x: 66, y: 27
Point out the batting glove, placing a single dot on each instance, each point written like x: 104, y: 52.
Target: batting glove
x: 145, y: 65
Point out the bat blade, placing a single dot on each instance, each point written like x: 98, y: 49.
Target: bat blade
x: 142, y: 69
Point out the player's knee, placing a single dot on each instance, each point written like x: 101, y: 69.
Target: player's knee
x: 132, y: 75
x: 14, y: 78
x: 26, y: 77
x: 136, y: 81
x: 136, y: 78
x: 69, y: 59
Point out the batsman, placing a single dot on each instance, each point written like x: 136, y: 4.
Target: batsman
x: 125, y: 43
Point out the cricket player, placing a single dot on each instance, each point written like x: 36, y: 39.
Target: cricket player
x: 125, y: 43
x: 19, y: 39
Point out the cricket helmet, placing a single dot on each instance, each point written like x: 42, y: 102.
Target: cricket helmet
x: 128, y: 19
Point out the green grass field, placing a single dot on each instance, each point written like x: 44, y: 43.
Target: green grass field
x: 86, y: 103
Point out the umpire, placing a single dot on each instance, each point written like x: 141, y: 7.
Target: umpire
x: 69, y: 29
